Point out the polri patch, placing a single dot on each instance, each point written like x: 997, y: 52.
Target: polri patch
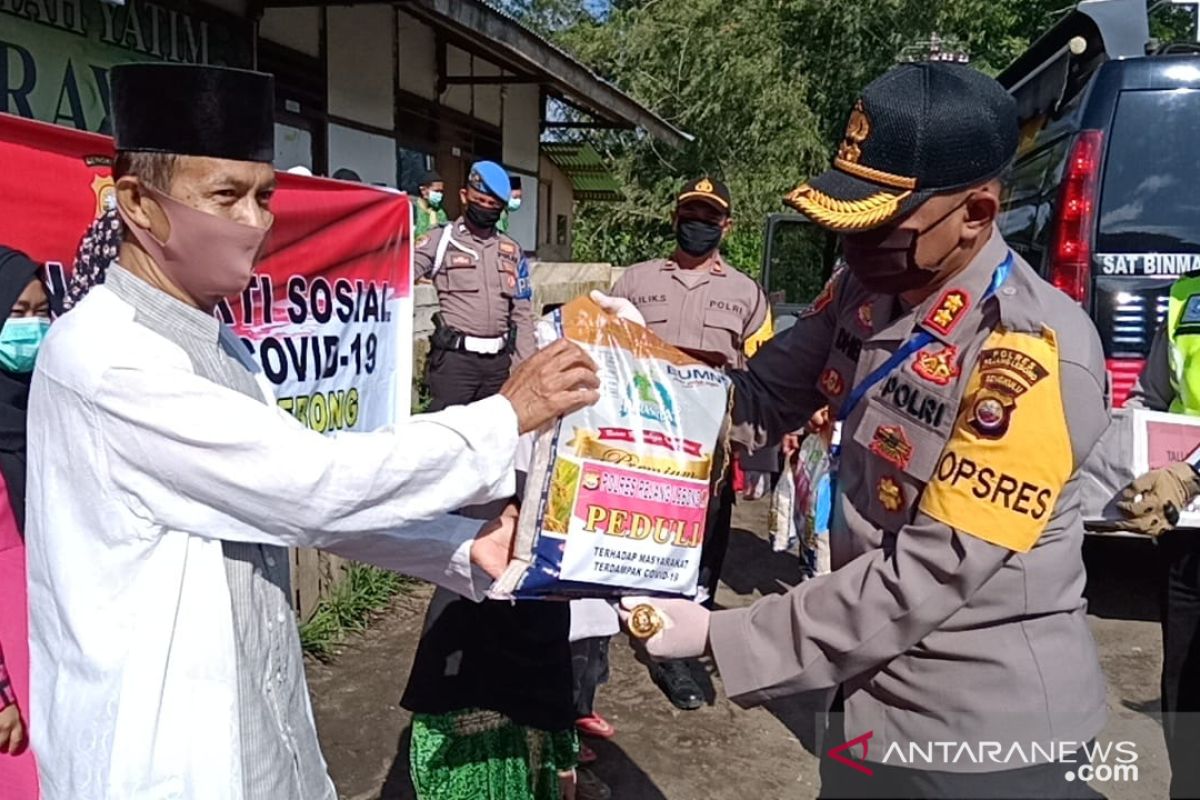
x: 892, y: 445
x: 951, y: 308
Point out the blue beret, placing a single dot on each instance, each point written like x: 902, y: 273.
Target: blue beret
x: 490, y: 178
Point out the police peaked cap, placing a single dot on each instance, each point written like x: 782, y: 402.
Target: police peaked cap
x: 917, y: 131
x: 190, y: 110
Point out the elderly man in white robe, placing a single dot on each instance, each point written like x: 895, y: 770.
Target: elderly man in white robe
x: 164, y: 483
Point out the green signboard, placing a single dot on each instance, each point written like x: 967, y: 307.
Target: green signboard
x: 55, y: 54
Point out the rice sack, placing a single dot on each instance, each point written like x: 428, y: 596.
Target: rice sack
x: 617, y: 494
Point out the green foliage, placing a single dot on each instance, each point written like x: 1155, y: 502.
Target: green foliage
x: 348, y: 608
x: 764, y: 85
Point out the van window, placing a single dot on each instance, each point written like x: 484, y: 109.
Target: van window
x: 1149, y: 202
x: 1028, y: 202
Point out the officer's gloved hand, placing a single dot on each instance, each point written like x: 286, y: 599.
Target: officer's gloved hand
x: 618, y: 306
x: 684, y: 633
x: 1151, y: 504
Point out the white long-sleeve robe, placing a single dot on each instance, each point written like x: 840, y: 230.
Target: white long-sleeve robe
x: 138, y: 469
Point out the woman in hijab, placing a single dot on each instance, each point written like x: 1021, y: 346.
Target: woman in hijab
x: 24, y: 295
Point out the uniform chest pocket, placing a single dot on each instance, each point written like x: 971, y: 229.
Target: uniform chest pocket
x: 507, y: 267
x: 722, y: 331
x: 460, y: 272
x: 655, y: 313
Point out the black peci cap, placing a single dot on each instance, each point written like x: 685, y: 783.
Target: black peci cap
x: 918, y: 130
x: 430, y: 176
x: 194, y: 111
x: 708, y: 190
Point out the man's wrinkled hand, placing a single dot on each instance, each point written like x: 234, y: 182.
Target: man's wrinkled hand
x: 1151, y: 504
x: 12, y: 731
x: 493, y: 546
x: 618, y: 307
x: 556, y: 380
x: 684, y: 632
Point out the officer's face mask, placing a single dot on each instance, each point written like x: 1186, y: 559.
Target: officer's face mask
x: 514, y: 204
x: 435, y: 199
x: 889, y: 265
x: 483, y: 218
x: 20, y: 339
x: 697, y: 237
x: 208, y: 257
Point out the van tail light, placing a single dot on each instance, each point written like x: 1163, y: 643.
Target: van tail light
x: 1123, y: 374
x: 1071, y: 253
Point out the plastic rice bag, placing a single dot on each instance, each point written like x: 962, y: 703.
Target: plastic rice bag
x: 617, y: 494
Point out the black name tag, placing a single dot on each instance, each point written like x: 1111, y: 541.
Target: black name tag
x: 919, y: 405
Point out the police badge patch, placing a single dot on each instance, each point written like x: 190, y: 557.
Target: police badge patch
x: 892, y: 445
x: 938, y: 367
x: 1004, y: 375
x: 832, y: 383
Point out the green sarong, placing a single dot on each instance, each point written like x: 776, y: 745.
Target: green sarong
x: 483, y: 755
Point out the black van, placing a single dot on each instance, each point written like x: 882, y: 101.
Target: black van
x: 1104, y: 198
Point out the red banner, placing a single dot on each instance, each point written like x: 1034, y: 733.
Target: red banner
x: 334, y: 337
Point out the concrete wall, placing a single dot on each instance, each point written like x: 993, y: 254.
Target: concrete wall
x: 360, y: 64
x: 297, y: 28
x: 418, y: 57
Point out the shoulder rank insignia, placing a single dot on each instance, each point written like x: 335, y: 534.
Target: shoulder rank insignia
x: 890, y: 493
x: 948, y: 311
x: 821, y: 301
x: 937, y: 367
x: 892, y: 445
x: 832, y: 383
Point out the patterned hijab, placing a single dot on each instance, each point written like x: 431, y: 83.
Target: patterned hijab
x: 97, y: 249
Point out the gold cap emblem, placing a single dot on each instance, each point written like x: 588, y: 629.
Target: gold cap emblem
x: 857, y: 131
x: 704, y: 186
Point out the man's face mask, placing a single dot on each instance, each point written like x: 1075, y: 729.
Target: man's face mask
x: 698, y: 237
x: 435, y: 199
x: 208, y: 257
x: 889, y: 265
x: 483, y: 218
x: 514, y: 203
x: 20, y: 339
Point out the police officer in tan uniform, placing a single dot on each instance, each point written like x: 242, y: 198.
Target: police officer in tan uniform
x: 967, y: 394
x: 486, y: 320
x: 696, y: 301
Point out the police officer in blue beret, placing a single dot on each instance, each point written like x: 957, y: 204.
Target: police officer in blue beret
x: 485, y: 325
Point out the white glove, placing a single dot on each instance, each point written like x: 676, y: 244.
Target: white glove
x: 618, y: 307
x: 685, y: 627
x: 756, y: 484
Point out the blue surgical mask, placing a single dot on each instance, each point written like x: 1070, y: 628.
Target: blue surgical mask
x: 20, y: 339
x: 435, y: 199
x: 514, y: 203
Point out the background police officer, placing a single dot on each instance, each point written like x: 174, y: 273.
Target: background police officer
x: 1170, y: 382
x: 486, y: 318
x: 696, y: 301
x: 967, y: 393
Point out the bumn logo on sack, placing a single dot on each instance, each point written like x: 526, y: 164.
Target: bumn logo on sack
x: 650, y: 400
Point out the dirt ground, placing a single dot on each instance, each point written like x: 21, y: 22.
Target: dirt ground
x: 722, y: 752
